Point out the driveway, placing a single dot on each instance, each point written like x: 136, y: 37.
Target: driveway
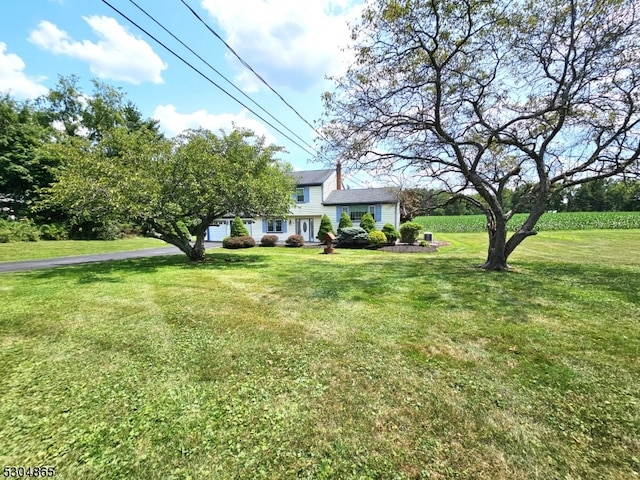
x: 100, y: 257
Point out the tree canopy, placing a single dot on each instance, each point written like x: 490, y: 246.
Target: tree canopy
x: 174, y: 187
x: 488, y: 96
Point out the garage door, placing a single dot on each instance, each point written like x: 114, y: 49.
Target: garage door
x: 217, y: 231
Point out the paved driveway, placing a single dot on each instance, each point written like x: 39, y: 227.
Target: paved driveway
x: 101, y: 257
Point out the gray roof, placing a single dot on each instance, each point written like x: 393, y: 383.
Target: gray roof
x: 311, y: 177
x: 364, y: 195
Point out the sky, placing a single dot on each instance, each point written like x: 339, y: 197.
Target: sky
x: 293, y: 44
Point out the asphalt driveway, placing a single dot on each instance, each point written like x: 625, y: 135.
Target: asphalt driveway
x: 101, y: 257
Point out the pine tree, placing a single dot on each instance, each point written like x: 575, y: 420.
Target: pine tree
x: 238, y: 229
x: 345, y: 222
x: 325, y: 227
x: 368, y: 223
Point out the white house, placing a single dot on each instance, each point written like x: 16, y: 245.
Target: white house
x: 319, y: 192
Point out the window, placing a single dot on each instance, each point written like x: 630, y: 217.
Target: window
x: 275, y: 226
x: 299, y: 196
x: 356, y: 212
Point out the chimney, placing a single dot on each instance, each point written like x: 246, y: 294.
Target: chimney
x: 339, y: 175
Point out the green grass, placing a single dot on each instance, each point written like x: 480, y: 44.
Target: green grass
x: 284, y: 363
x: 16, y: 251
x: 548, y: 223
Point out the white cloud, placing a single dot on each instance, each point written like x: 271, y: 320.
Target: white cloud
x: 173, y: 123
x: 118, y: 55
x: 13, y: 79
x: 289, y: 42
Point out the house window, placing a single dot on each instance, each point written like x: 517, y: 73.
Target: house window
x: 356, y: 212
x: 299, y: 195
x: 275, y: 226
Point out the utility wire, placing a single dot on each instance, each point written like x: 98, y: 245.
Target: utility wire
x: 220, y: 74
x: 205, y: 77
x: 250, y: 68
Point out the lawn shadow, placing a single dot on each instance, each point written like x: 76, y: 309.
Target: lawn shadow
x: 113, y: 271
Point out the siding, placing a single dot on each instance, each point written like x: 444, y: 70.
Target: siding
x: 313, y: 207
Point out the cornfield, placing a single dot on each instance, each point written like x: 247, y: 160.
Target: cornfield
x: 548, y: 222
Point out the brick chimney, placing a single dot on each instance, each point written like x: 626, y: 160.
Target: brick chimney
x: 339, y: 176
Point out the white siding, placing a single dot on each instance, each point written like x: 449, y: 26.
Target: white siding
x: 311, y: 208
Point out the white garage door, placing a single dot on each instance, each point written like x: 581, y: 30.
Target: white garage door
x: 217, y: 231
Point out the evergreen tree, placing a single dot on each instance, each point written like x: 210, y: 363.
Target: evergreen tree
x: 367, y: 223
x: 345, y: 222
x: 325, y: 227
x: 238, y: 229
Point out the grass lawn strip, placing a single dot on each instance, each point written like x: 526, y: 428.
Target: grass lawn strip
x: 281, y: 363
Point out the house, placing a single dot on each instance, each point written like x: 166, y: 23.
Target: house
x: 319, y: 192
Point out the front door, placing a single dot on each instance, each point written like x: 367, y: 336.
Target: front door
x: 304, y: 227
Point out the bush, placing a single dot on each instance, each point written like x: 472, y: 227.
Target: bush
x: 18, y: 231
x: 377, y: 238
x: 54, y: 231
x: 345, y: 222
x: 353, y: 236
x: 325, y: 227
x: 409, y: 232
x: 391, y: 233
x: 268, y: 240
x: 238, y: 229
x: 368, y: 223
x: 294, y: 241
x: 244, y: 241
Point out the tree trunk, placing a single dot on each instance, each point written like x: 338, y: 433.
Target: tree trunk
x: 497, y: 253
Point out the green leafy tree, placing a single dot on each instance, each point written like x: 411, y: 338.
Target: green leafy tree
x: 345, y: 222
x: 482, y: 96
x: 176, y: 188
x: 238, y: 229
x: 325, y: 227
x: 367, y: 223
x: 23, y: 169
x: 91, y: 115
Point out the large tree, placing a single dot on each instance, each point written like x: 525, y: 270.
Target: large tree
x: 488, y: 95
x: 176, y: 188
x: 22, y: 169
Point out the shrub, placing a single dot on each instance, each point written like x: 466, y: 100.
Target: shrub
x: 238, y: 229
x: 268, y: 240
x: 244, y: 241
x: 353, y: 236
x: 18, y: 231
x: 423, y: 243
x: 409, y: 232
x: 325, y: 227
x: 391, y: 233
x: 368, y: 223
x: 54, y: 231
x: 345, y: 222
x: 377, y: 238
x: 294, y: 241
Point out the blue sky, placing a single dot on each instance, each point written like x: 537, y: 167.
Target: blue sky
x: 293, y: 44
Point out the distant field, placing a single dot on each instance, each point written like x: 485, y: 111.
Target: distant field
x: 548, y: 223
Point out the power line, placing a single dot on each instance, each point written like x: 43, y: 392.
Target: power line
x: 205, y: 77
x: 220, y: 74
x: 243, y: 62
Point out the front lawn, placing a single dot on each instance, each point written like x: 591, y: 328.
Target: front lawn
x: 17, y: 251
x: 285, y: 363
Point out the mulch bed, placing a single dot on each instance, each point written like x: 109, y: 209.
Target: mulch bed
x: 406, y: 248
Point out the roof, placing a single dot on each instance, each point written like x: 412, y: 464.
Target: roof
x: 311, y: 177
x: 364, y: 195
